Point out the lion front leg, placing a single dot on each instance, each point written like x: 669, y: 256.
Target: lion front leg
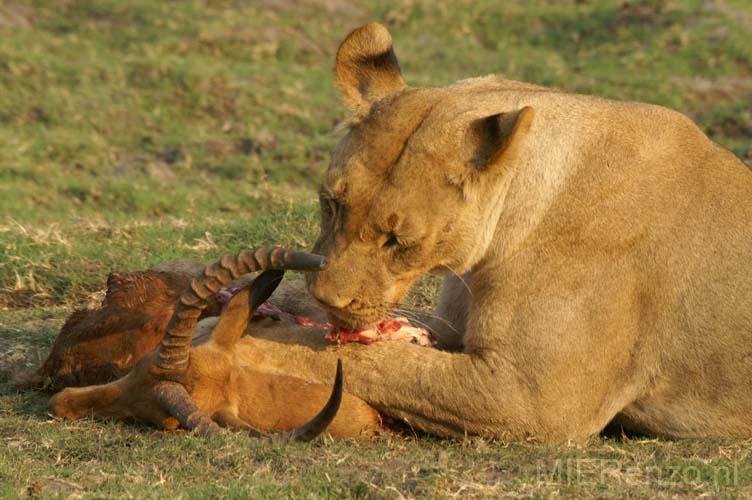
x: 442, y: 393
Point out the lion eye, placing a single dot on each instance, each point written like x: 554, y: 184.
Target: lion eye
x: 391, y: 241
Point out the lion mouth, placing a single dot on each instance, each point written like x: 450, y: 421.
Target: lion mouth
x: 343, y: 326
x: 343, y: 331
x: 388, y: 328
x: 348, y: 322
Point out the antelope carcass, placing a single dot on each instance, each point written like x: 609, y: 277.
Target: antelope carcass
x: 214, y: 384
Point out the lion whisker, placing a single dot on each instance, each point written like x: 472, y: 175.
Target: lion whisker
x: 459, y: 276
x: 418, y: 317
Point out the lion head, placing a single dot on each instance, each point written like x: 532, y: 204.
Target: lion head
x: 413, y: 185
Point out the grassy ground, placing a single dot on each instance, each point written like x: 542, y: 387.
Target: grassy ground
x: 138, y: 132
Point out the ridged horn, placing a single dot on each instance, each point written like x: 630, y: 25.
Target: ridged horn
x: 173, y: 351
x: 174, y: 398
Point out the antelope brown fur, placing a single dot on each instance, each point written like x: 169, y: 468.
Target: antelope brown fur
x: 100, y: 345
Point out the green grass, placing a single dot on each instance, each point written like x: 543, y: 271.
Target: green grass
x: 138, y: 132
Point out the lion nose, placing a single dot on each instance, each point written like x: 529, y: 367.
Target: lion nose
x: 333, y: 301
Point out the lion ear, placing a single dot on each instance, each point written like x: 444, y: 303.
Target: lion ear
x: 495, y: 139
x: 367, y: 69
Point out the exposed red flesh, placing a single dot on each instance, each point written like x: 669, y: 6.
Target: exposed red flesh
x: 389, y: 328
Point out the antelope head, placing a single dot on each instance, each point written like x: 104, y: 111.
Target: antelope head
x: 179, y: 386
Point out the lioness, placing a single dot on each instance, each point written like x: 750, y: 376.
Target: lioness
x: 599, y: 259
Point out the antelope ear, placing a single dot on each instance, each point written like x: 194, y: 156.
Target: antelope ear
x: 366, y: 68
x: 494, y: 140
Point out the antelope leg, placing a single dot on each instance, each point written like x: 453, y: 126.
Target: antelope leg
x: 226, y: 418
x: 318, y: 424
x: 173, y: 351
x: 234, y: 319
x: 306, y: 432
